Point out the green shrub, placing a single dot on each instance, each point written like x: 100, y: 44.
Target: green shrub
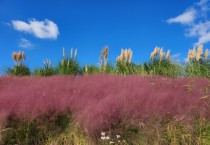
x: 68, y: 66
x: 92, y: 69
x: 34, y: 132
x: 19, y: 70
x: 164, y: 68
x: 47, y: 70
x: 126, y: 68
x: 198, y: 68
x: 109, y: 69
x: 44, y: 71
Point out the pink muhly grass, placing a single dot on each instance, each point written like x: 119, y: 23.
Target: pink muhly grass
x: 101, y: 101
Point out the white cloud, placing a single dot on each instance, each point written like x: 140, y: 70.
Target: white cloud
x: 24, y: 43
x: 41, y: 29
x: 196, y: 16
x: 200, y: 30
x: 187, y: 17
x: 203, y: 39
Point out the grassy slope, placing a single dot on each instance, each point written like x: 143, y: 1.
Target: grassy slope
x: 101, y: 101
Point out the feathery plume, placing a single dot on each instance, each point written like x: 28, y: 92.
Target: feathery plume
x: 14, y: 56
x: 44, y: 62
x: 161, y: 54
x: 125, y: 54
x: 64, y: 52
x: 63, y: 62
x: 206, y: 53
x: 168, y: 55
x: 19, y: 56
x: 23, y: 56
x: 101, y: 58
x: 71, y: 52
x: 129, y: 55
x: 50, y: 63
x: 106, y: 51
x: 199, y: 52
x: 152, y: 56
x: 119, y: 58
x: 156, y: 51
x: 86, y: 69
x: 75, y: 53
x: 200, y: 49
x: 192, y: 54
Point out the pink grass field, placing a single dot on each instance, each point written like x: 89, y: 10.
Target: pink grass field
x: 98, y: 101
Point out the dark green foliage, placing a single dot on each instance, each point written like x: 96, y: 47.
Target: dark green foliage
x: 62, y: 121
x: 92, y: 69
x: 109, y: 69
x: 199, y: 68
x: 35, y: 132
x: 126, y: 68
x: 164, y: 68
x: 19, y: 70
x: 68, y: 66
x: 44, y: 71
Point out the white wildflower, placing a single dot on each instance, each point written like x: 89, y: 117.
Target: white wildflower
x: 103, y: 133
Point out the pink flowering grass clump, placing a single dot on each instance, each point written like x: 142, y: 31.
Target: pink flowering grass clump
x: 100, y: 102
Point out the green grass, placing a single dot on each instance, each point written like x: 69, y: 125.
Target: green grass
x: 68, y: 67
x: 198, y: 68
x: 126, y: 68
x: 44, y: 71
x: 63, y: 130
x: 162, y: 68
x: 60, y: 129
x: 20, y: 70
x: 166, y: 67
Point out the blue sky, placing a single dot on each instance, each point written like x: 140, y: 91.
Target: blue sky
x: 41, y: 28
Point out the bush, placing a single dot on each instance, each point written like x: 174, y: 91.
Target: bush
x: 19, y: 70
x: 68, y: 66
x: 47, y: 129
x: 44, y: 71
x: 198, y: 68
x: 92, y: 69
x: 109, y: 69
x: 126, y: 68
x: 164, y: 68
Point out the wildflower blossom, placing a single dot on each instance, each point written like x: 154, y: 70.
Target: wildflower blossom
x: 103, y: 133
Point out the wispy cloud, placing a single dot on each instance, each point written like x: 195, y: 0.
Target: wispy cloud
x: 176, y: 57
x: 187, y: 17
x: 200, y: 30
x: 41, y: 29
x: 26, y: 44
x: 197, y: 22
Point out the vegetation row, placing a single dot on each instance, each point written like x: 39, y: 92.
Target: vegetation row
x: 160, y: 63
